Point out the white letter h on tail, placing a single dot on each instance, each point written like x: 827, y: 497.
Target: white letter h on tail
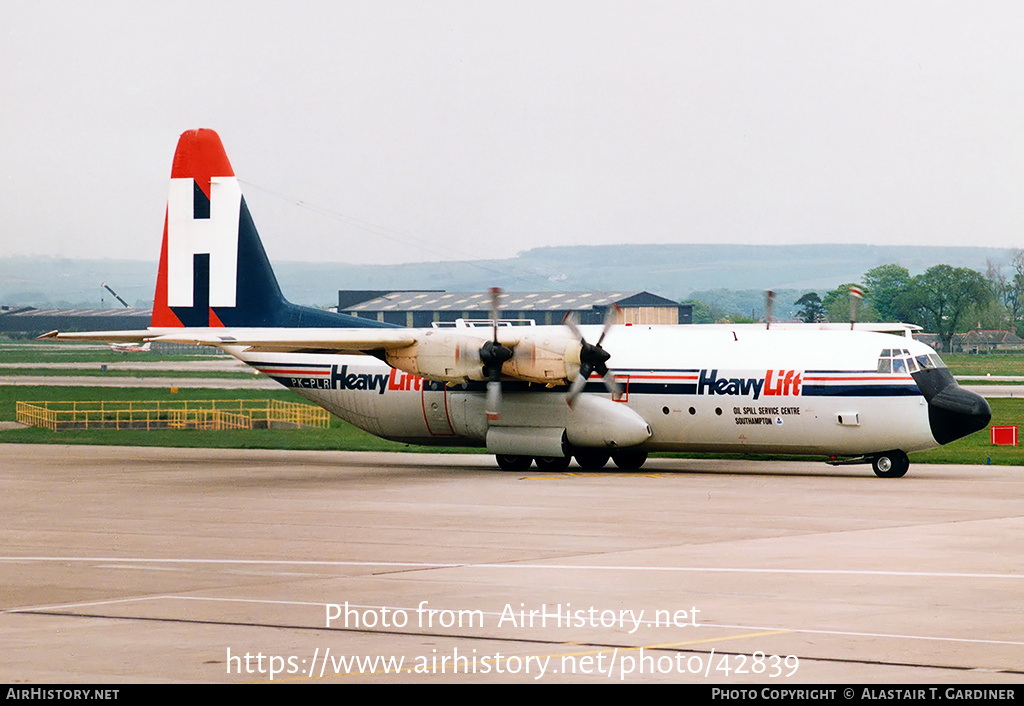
x: 216, y: 236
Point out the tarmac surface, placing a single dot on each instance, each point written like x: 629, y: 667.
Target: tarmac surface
x: 193, y: 565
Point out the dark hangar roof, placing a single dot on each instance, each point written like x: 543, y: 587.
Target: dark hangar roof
x: 30, y: 319
x: 515, y: 301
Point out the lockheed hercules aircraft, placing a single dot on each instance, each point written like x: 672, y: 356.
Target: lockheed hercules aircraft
x: 544, y: 394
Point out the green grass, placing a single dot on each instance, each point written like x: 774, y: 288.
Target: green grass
x: 44, y: 393
x: 123, y: 373
x: 53, y: 352
x: 339, y: 436
x: 33, y: 352
x: 990, y: 364
x: 977, y: 448
x: 78, y: 355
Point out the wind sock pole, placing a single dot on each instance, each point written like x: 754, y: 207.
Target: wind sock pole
x: 856, y: 294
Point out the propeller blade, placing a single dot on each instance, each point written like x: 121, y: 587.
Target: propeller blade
x: 609, y: 318
x: 575, y: 389
x: 612, y: 384
x: 495, y: 310
x: 494, y: 355
x: 592, y: 356
x: 570, y: 321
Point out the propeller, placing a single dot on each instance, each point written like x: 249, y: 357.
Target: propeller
x: 493, y: 355
x: 593, y: 358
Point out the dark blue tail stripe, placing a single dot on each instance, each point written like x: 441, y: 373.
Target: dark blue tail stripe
x: 258, y: 301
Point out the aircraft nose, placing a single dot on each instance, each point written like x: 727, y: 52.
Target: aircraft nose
x: 956, y: 412
x: 953, y: 412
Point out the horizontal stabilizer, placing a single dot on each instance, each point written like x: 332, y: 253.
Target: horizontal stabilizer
x: 139, y: 336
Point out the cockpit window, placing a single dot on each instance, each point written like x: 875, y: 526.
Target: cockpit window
x: 899, y: 361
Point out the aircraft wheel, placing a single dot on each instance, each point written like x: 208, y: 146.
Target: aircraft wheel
x: 591, y: 459
x: 891, y: 464
x: 553, y: 464
x: 513, y: 463
x: 630, y: 459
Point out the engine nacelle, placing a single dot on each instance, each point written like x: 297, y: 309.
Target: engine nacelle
x: 454, y: 357
x: 549, y: 359
x: 441, y: 355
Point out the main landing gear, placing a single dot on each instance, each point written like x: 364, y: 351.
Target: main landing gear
x: 588, y: 460
x: 513, y: 463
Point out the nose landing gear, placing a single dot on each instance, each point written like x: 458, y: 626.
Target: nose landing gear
x: 891, y: 464
x: 887, y: 464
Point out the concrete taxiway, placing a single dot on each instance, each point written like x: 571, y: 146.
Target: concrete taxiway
x: 193, y: 565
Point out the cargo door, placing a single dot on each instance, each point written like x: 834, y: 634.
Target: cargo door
x: 435, y: 409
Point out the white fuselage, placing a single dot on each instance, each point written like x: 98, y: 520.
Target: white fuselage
x: 730, y: 389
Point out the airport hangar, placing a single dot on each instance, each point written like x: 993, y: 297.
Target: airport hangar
x: 421, y: 309
x: 30, y: 320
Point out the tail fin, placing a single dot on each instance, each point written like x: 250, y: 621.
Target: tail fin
x: 213, y: 269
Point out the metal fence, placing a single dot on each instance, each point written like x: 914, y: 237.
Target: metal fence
x: 181, y: 414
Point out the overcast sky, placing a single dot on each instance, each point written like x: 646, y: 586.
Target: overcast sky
x: 393, y: 131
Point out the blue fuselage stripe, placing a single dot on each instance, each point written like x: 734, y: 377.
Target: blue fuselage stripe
x: 318, y: 376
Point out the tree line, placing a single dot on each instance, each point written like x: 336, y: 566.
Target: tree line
x: 944, y: 300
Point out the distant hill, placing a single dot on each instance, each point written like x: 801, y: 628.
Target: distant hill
x: 674, y: 271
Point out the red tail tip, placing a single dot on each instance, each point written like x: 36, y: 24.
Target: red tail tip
x: 200, y: 155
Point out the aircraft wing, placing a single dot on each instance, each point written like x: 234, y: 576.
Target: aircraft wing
x: 283, y: 340
x: 443, y: 355
x: 291, y: 340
